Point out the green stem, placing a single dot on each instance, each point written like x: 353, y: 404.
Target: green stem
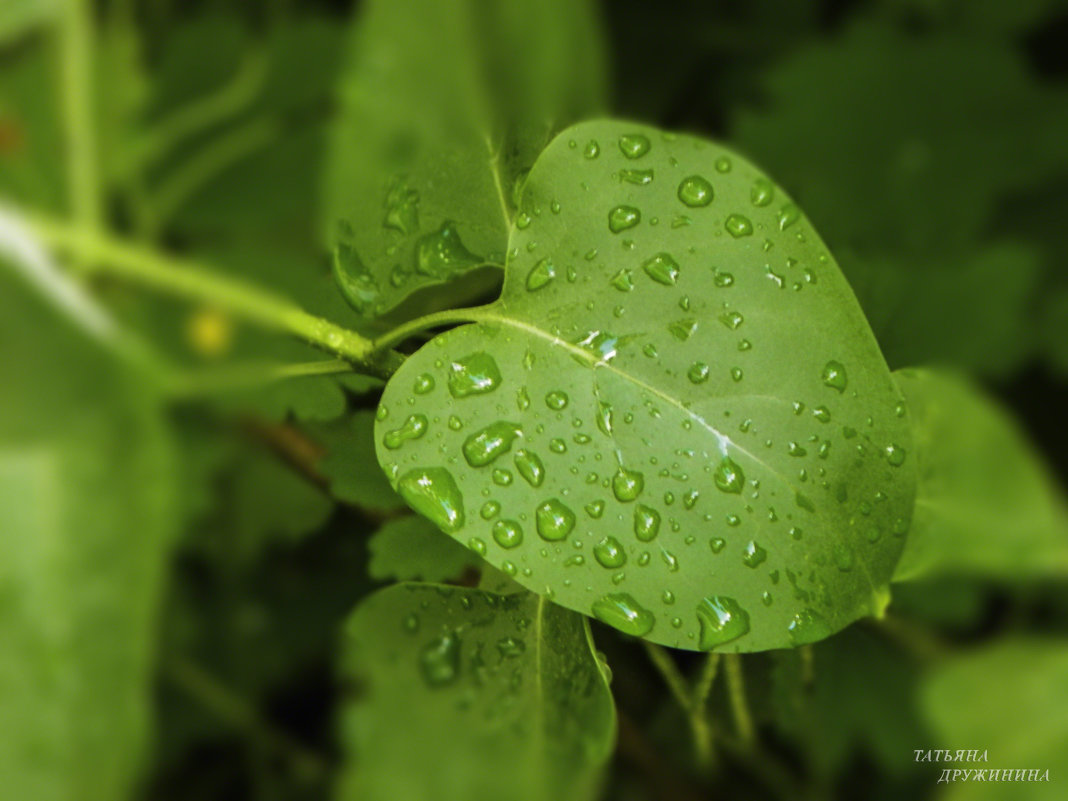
x: 699, y: 723
x: 663, y: 662
x: 235, y: 377
x: 743, y: 721
x: 78, y: 41
x: 405, y: 330
x: 111, y: 256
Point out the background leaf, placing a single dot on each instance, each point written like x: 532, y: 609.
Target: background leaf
x: 502, y: 697
x: 439, y: 120
x: 675, y: 406
x: 88, y: 509
x: 411, y: 547
x: 985, y: 502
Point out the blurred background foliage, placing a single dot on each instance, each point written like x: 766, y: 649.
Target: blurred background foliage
x: 198, y: 655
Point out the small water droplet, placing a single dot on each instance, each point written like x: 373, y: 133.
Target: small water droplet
x: 592, y: 150
x: 698, y: 372
x: 729, y: 476
x: 540, y: 275
x: 483, y: 447
x: 489, y: 510
x: 895, y: 455
x: 621, y: 218
x: 722, y: 279
x: 738, y: 225
x: 753, y: 555
x: 507, y: 533
x: 762, y: 192
x: 806, y: 627
x: 636, y: 177
x: 423, y: 384
x: 556, y: 400
x: 433, y: 493
x: 634, y: 146
x: 834, y: 375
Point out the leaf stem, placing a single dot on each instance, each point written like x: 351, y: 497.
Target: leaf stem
x: 108, y: 255
x: 743, y: 721
x: 189, y: 385
x: 405, y: 330
x: 673, y: 678
x: 699, y: 723
x: 78, y: 41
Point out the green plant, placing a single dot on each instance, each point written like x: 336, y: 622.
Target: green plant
x: 669, y: 414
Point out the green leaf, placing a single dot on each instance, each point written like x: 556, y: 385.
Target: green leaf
x: 444, y: 107
x: 350, y: 464
x: 675, y: 417
x: 411, y: 547
x: 985, y: 502
x: 912, y: 193
x: 1009, y: 699
x: 87, y: 504
x: 19, y: 17
x: 501, y: 696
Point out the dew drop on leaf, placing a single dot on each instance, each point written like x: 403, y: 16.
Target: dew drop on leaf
x: 738, y: 225
x: 834, y: 376
x: 646, y: 523
x: 483, y: 447
x: 530, y: 467
x: 622, y: 612
x: 695, y: 191
x: 433, y: 493
x: 507, y: 533
x: 412, y: 428
x: 627, y: 484
x: 476, y: 374
x: 729, y: 476
x: 609, y: 553
x: 662, y: 268
x: 622, y: 218
x: 439, y: 661
x: 634, y: 146
x: 721, y: 620
x: 554, y: 520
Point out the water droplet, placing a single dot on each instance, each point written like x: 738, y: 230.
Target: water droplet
x: 554, y: 520
x: 433, y: 493
x: 556, y: 400
x: 895, y: 455
x: 729, y: 476
x: 623, y: 217
x: 834, y: 375
x: 510, y: 647
x: 622, y: 612
x: 441, y: 254
x: 822, y: 413
x: 722, y: 620
x: 753, y: 555
x: 439, y: 661
x: 476, y: 374
x: 413, y: 428
x: 806, y: 627
x: 502, y: 478
x: 634, y: 146
x: 423, y: 384
x: 762, y: 192
x: 477, y: 545
x: 717, y: 544
x: 794, y: 449
x: 609, y: 553
x: 540, y: 275
x: 483, y: 447
x: 683, y: 329
x: 489, y: 510
x: 402, y: 208
x: 731, y: 319
x: 698, y: 372
x: 788, y: 215
x: 723, y: 164
x: 736, y: 374
x: 646, y: 523
x: 662, y: 268
x: 530, y: 467
x: 592, y: 150
x: 627, y: 484
x: 595, y: 509
x: 695, y: 191
x: 507, y: 533
x: 722, y: 279
x: 738, y: 225
x: 637, y: 177
x: 623, y: 280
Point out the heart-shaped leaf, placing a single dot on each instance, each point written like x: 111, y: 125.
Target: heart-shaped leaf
x: 440, y: 120
x: 676, y: 417
x: 501, y: 696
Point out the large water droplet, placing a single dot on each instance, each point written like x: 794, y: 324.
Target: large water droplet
x: 609, y: 553
x: 698, y: 372
x: 530, y: 467
x: 895, y: 455
x: 441, y: 254
x: 623, y: 217
x: 627, y: 484
x: 762, y: 192
x: 556, y: 400
x: 646, y: 523
x: 695, y: 191
x: 507, y: 533
x: 413, y: 428
x: 402, y: 208
x: 483, y: 447
x: 663, y: 269
x: 834, y: 375
x: 622, y: 612
x: 634, y: 146
x: 433, y: 493
x: 753, y: 555
x: 722, y: 620
x: 788, y: 215
x: 476, y: 374
x: 439, y: 661
x: 554, y: 520
x: 729, y: 476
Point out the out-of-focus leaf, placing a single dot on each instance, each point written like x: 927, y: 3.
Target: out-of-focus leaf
x: 855, y: 695
x: 993, y: 16
x: 351, y: 466
x: 87, y: 510
x: 900, y: 146
x: 676, y: 383
x: 501, y: 696
x: 412, y: 548
x: 18, y: 17
x: 985, y: 502
x: 445, y: 105
x: 1010, y: 699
